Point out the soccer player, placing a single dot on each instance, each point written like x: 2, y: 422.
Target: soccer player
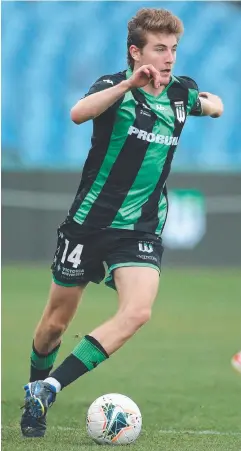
x: 236, y: 361
x: 120, y: 208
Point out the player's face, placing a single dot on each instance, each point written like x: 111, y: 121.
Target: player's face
x: 160, y: 51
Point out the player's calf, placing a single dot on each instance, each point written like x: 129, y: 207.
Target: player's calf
x: 57, y: 315
x: 115, y: 332
x: 59, y: 311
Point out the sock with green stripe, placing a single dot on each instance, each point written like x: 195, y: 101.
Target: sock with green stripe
x: 42, y: 364
x: 86, y: 355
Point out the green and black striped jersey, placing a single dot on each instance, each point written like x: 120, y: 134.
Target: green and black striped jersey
x: 123, y: 182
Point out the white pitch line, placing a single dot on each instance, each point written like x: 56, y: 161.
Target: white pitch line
x: 193, y: 432
x: 59, y: 428
x: 161, y: 431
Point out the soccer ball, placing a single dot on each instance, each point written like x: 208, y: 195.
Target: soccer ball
x: 114, y: 419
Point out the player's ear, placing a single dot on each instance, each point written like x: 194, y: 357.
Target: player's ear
x: 135, y: 53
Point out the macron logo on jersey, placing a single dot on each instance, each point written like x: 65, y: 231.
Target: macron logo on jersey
x: 152, y: 137
x: 109, y: 81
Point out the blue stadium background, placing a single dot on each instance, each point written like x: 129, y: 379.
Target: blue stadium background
x: 53, y: 51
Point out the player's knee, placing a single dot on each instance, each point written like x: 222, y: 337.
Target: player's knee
x: 143, y: 316
x: 137, y: 318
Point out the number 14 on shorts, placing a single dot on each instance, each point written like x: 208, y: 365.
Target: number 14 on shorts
x: 74, y: 256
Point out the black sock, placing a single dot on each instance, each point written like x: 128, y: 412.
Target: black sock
x: 42, y: 364
x: 86, y: 356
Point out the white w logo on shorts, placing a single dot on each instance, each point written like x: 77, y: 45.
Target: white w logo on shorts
x: 145, y: 247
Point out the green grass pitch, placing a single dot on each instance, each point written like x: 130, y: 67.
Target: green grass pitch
x: 177, y: 368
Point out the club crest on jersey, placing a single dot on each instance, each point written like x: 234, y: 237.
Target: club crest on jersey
x: 180, y: 111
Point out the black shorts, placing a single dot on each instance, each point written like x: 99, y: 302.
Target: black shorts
x: 81, y: 254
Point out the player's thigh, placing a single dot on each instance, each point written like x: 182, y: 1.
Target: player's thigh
x: 134, y: 264
x: 77, y: 260
x: 137, y: 287
x: 75, y: 264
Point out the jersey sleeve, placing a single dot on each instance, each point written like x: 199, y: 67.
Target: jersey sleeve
x: 105, y: 82
x: 100, y: 85
x: 196, y: 109
x: 194, y: 103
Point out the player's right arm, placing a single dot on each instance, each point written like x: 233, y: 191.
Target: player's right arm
x: 97, y: 103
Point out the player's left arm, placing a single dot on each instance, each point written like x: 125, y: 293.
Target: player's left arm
x: 201, y: 103
x: 211, y: 104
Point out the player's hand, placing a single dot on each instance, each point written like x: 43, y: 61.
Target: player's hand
x: 143, y: 76
x: 215, y: 101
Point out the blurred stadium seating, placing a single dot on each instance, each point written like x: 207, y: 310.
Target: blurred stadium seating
x: 53, y: 51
